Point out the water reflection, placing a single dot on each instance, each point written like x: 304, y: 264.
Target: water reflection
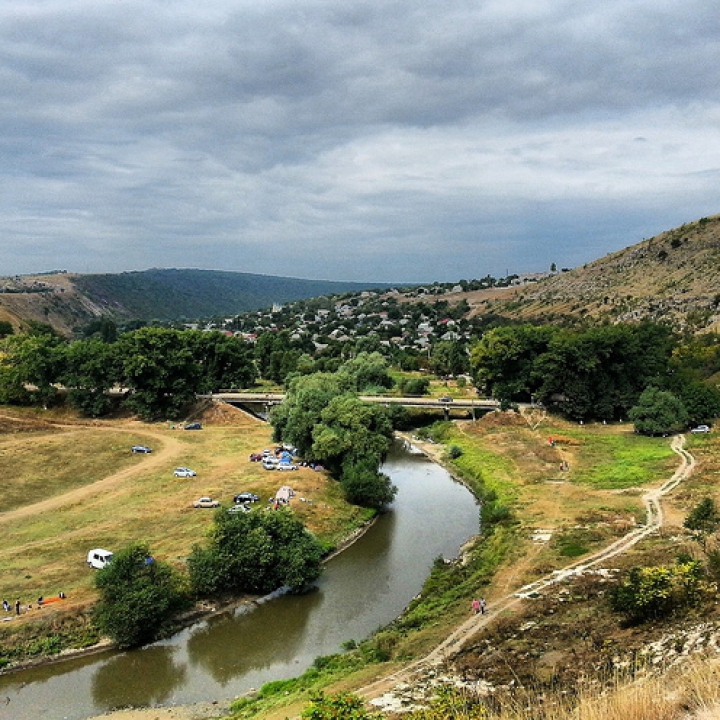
x: 362, y: 588
x: 252, y: 638
x: 144, y: 677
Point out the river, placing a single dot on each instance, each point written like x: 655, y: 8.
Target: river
x: 362, y: 588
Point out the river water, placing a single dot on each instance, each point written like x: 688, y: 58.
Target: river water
x: 362, y: 588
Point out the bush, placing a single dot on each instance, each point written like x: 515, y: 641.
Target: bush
x: 342, y: 706
x: 454, y: 452
x: 139, y: 596
x: 255, y: 552
x: 651, y: 593
x: 363, y: 485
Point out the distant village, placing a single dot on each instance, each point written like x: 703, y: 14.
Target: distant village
x: 408, y: 320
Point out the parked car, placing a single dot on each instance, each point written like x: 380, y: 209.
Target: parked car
x: 269, y: 465
x: 701, y: 429
x: 256, y: 457
x: 141, y: 449
x: 206, y: 502
x: 238, y: 509
x: 244, y: 497
x: 184, y: 472
x: 193, y: 426
x: 285, y: 466
x: 99, y: 558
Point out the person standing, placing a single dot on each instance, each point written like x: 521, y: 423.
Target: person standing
x: 476, y: 606
x: 17, y: 607
x: 482, y: 605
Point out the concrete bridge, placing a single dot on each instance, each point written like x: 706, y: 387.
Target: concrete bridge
x: 268, y: 399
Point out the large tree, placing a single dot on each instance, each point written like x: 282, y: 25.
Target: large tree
x: 139, y: 596
x: 658, y: 412
x: 160, y: 370
x: 306, y: 398
x: 255, y: 552
x: 91, y: 369
x: 224, y: 361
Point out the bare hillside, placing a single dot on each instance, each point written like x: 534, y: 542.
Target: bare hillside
x: 672, y: 276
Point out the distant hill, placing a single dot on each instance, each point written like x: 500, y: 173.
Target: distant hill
x: 175, y: 294
x: 66, y: 301
x: 671, y: 277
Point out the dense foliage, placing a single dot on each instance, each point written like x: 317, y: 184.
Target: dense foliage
x: 658, y: 412
x: 601, y: 372
x: 327, y: 422
x: 650, y: 593
x: 160, y: 369
x: 255, y: 552
x: 138, y: 596
x: 340, y: 706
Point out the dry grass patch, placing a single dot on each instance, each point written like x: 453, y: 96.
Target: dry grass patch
x: 103, y: 496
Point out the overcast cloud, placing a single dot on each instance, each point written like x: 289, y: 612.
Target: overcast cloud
x: 373, y: 141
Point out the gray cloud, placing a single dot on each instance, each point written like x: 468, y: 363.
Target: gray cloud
x: 397, y: 141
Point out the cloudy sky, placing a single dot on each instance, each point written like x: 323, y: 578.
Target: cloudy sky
x: 388, y: 141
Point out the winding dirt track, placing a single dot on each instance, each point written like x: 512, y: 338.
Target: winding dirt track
x: 170, y: 448
x: 454, y: 642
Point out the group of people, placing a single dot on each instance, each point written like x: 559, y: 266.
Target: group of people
x: 6, y: 606
x: 41, y: 601
x: 478, y: 606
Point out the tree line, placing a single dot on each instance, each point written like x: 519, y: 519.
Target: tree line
x: 602, y: 372
x: 160, y: 370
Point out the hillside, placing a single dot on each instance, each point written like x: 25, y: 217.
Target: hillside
x: 670, y: 277
x: 66, y: 301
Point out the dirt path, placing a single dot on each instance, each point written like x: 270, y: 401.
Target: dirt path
x: 383, y: 688
x: 170, y: 447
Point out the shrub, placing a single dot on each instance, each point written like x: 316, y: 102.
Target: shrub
x: 342, y: 706
x: 650, y: 593
x: 138, y: 596
x: 454, y: 452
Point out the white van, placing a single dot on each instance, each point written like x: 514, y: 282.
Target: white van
x: 99, y: 558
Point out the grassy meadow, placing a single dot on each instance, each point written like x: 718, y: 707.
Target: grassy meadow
x: 70, y: 486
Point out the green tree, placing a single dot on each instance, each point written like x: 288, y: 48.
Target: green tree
x: 91, y: 369
x: 414, y: 385
x: 307, y: 396
x: 703, y: 520
x: 503, y: 362
x: 255, y: 552
x: 364, y: 485
x: 701, y: 401
x: 160, y: 370
x: 658, y: 412
x: 224, y: 361
x: 449, y: 357
x: 139, y: 596
x: 650, y: 593
x: 30, y: 366
x: 351, y: 430
x: 365, y: 372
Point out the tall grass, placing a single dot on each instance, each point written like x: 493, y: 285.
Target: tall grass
x: 688, y: 691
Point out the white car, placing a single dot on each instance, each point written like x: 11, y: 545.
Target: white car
x: 206, y: 502
x: 184, y: 472
x: 285, y: 466
x: 234, y: 509
x: 701, y: 429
